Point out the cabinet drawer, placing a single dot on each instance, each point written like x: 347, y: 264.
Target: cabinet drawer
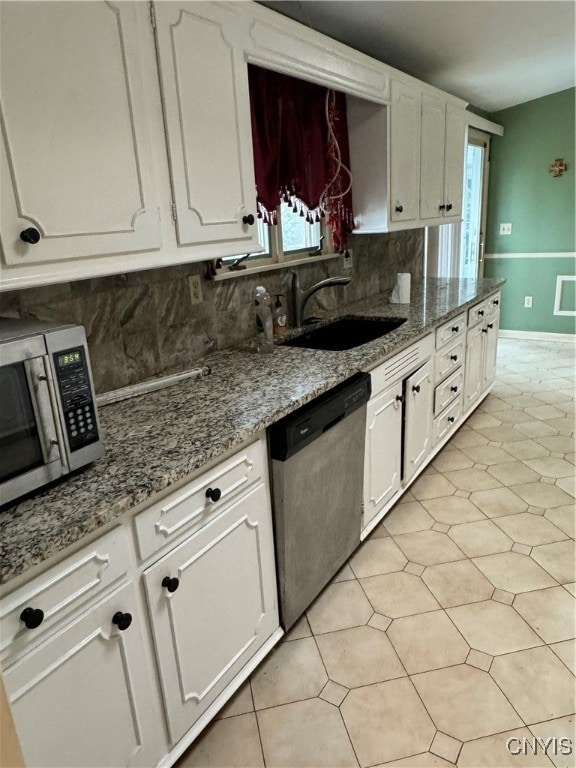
x: 477, y: 313
x: 190, y: 508
x: 451, y: 330
x: 401, y: 365
x: 493, y: 304
x: 448, y: 360
x: 448, y: 391
x: 445, y: 423
x: 62, y: 588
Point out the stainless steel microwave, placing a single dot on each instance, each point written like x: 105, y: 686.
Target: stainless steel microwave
x: 48, y: 419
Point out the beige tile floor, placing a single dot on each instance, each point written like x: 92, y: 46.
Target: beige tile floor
x: 452, y: 628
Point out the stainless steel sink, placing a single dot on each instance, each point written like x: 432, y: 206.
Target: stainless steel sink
x: 346, y: 333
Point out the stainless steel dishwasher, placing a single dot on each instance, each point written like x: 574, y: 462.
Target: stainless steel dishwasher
x: 317, y: 456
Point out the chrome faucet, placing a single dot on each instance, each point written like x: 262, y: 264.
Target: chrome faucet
x: 300, y: 297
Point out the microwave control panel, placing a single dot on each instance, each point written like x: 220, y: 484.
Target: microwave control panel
x: 76, y: 397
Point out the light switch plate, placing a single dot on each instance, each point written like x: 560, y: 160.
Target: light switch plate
x: 506, y: 229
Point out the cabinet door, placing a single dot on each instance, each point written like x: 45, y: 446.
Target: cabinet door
x: 454, y: 160
x: 76, y: 161
x: 474, y: 372
x: 418, y: 393
x: 432, y: 157
x: 204, y: 79
x: 490, y: 351
x: 86, y: 697
x: 404, y: 152
x: 382, y: 466
x: 222, y: 611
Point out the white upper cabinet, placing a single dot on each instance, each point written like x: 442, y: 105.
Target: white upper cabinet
x: 442, y: 160
x: 204, y: 81
x: 77, y: 176
x: 454, y: 160
x: 404, y: 152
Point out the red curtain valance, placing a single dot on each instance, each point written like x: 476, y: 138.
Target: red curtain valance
x: 301, y: 153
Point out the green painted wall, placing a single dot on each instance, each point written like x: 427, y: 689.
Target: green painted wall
x: 536, y: 278
x: 541, y: 209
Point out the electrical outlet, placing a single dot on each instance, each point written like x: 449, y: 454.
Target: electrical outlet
x: 348, y: 261
x: 528, y: 302
x: 195, y: 286
x: 506, y: 229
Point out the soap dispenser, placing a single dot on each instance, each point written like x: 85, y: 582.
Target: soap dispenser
x: 264, y: 320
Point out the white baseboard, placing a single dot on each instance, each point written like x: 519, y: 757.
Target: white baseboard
x: 537, y: 336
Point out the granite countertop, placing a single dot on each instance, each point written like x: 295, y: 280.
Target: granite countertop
x: 157, y: 439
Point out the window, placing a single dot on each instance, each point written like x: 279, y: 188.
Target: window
x: 291, y: 238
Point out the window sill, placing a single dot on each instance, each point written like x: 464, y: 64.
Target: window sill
x: 226, y: 274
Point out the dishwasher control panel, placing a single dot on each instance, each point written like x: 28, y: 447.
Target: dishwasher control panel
x: 298, y: 429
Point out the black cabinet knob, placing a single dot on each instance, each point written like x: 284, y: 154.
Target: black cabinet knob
x: 400, y: 398
x: 449, y: 207
x: 455, y: 328
x: 453, y: 389
x: 171, y: 584
x: 30, y: 235
x: 450, y: 419
x: 32, y: 617
x: 454, y: 357
x: 249, y: 219
x: 122, y: 620
x: 399, y: 208
x: 416, y: 388
x: 213, y: 494
x: 441, y: 207
x: 495, y: 302
x: 484, y: 330
x: 481, y: 313
x: 490, y: 325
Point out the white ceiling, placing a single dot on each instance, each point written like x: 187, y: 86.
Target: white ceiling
x: 492, y: 53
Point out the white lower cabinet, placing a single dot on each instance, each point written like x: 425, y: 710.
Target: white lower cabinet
x: 418, y: 393
x: 383, y: 463
x: 481, y: 350
x: 83, y: 696
x: 222, y: 610
x: 398, y: 426
x: 78, y: 640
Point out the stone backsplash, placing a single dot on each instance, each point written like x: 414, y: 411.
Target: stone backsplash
x: 142, y: 324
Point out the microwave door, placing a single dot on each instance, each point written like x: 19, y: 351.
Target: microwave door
x: 30, y: 446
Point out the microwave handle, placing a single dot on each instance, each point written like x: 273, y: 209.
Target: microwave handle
x: 44, y: 402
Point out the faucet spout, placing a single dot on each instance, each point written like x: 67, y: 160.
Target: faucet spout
x: 300, y: 297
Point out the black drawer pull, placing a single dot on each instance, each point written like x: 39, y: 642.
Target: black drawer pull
x: 495, y: 302
x: 213, y: 494
x: 481, y: 313
x: 449, y: 207
x: 171, y: 584
x: 399, y: 208
x: 30, y: 236
x: 484, y: 330
x: 32, y: 617
x: 490, y: 325
x: 455, y: 328
x: 454, y: 357
x: 451, y: 419
x: 454, y: 389
x: 249, y: 219
x: 122, y: 620
x: 400, y: 398
x: 416, y: 388
x: 441, y: 207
